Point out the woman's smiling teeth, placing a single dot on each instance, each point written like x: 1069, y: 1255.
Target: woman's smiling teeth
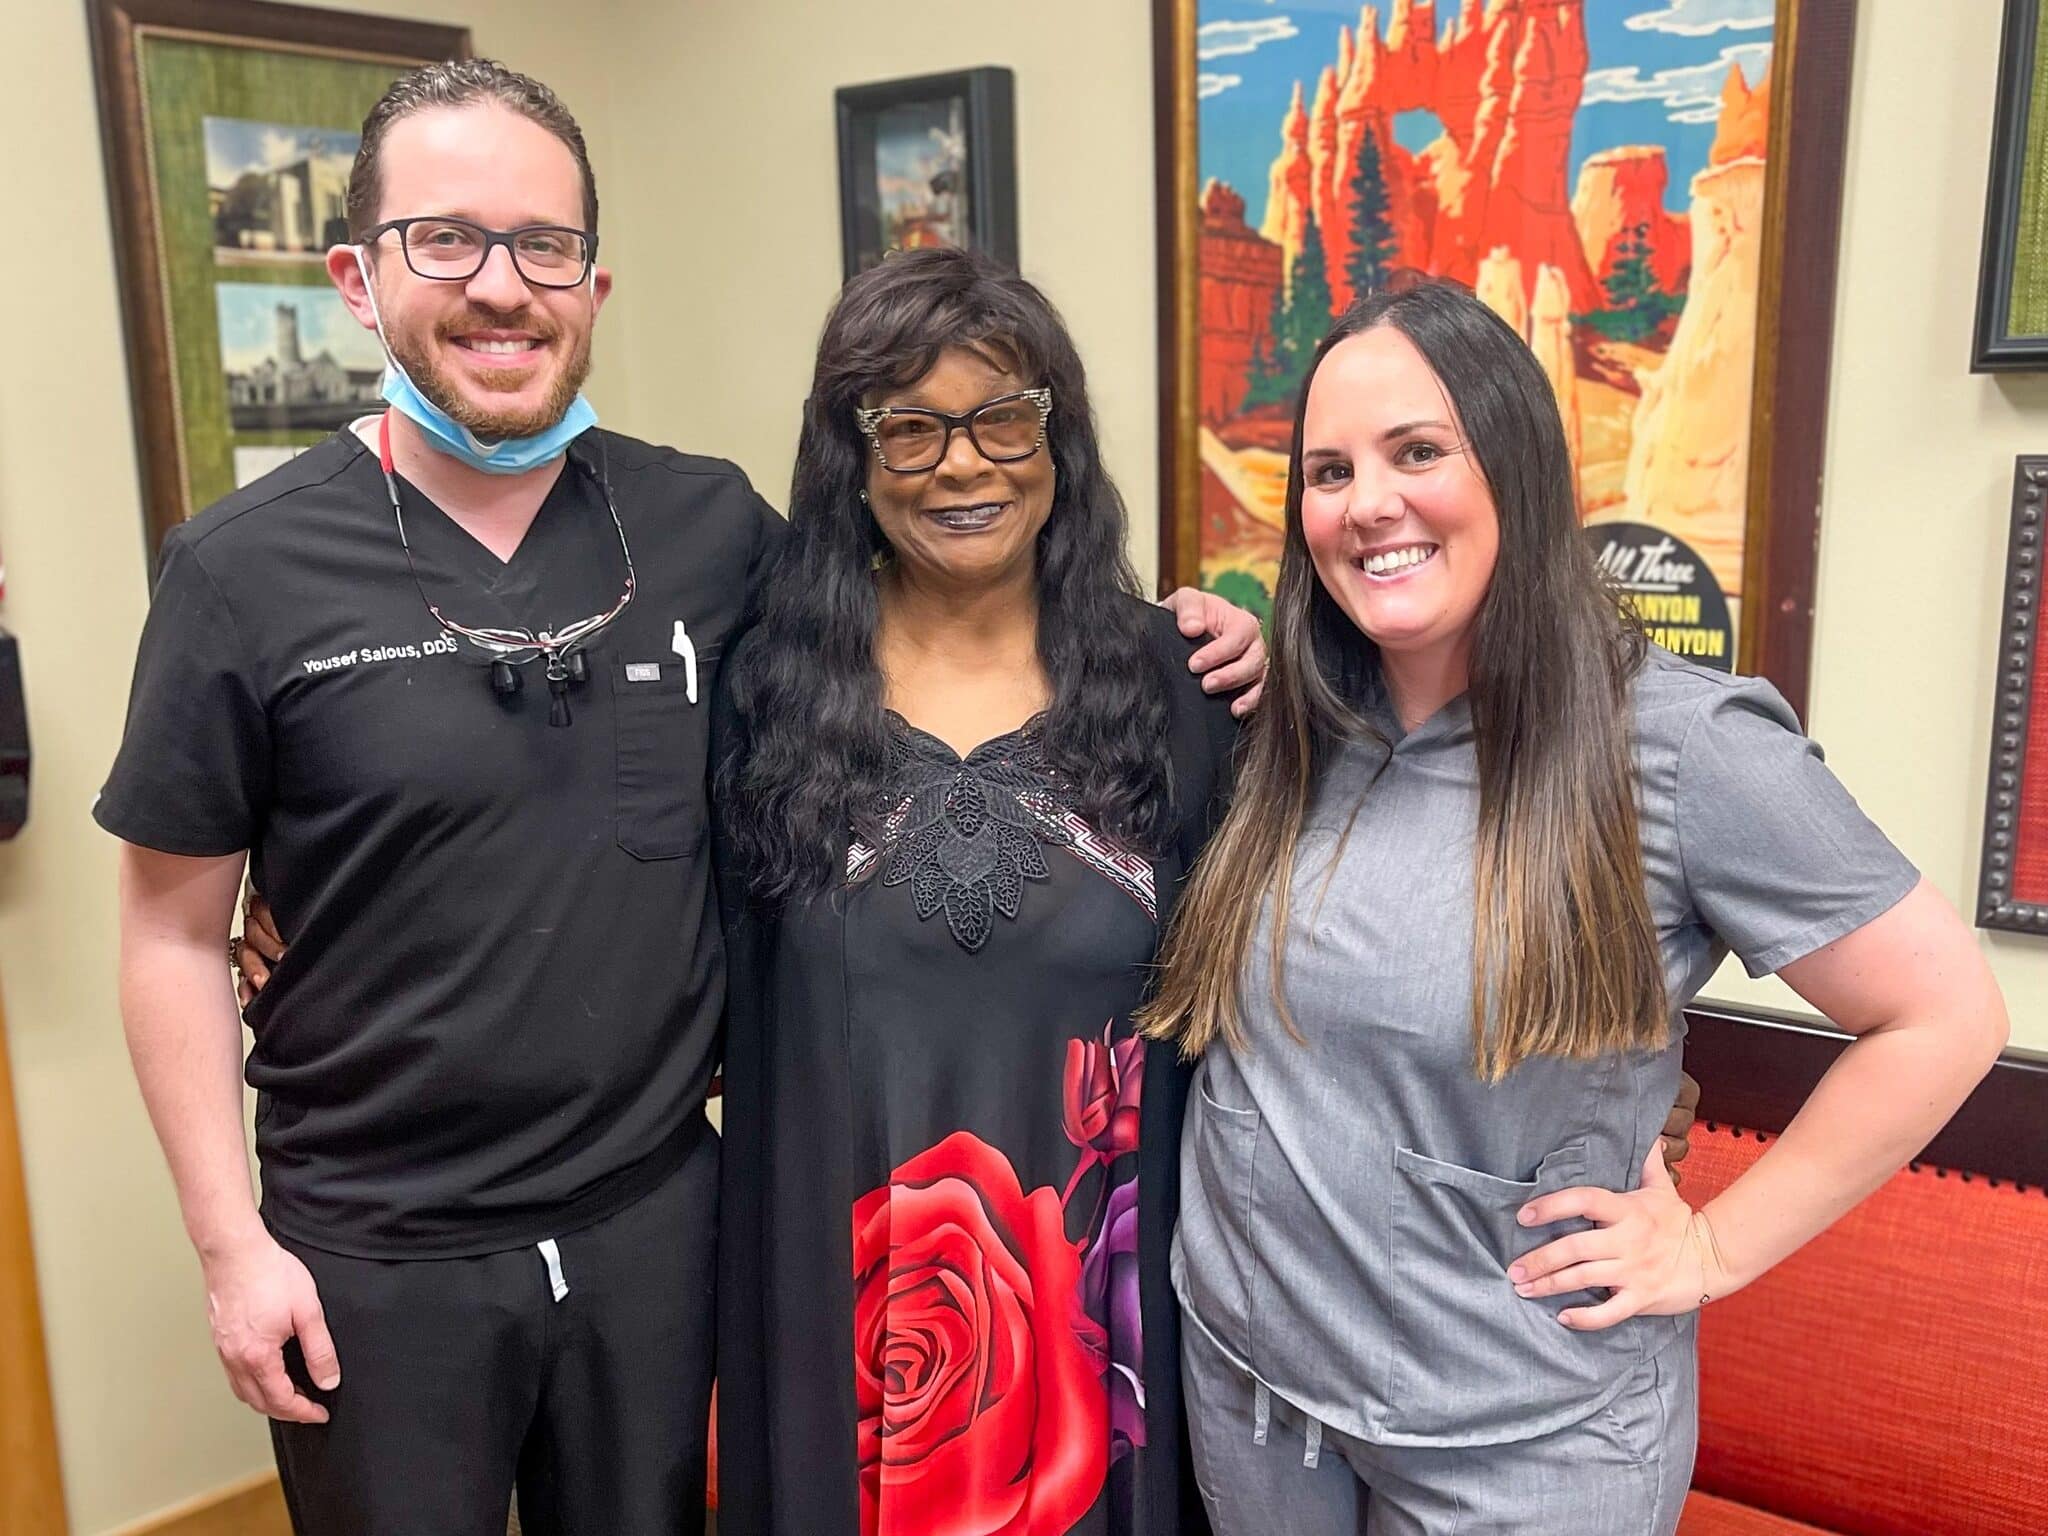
x: 970, y: 519
x: 1396, y: 562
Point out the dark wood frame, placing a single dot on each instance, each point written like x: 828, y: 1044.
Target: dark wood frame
x: 1997, y: 906
x: 990, y: 93
x: 1803, y: 201
x: 1756, y: 1067
x: 116, y: 27
x: 1994, y: 349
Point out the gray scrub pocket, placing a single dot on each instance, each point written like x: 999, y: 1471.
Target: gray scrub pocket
x: 1473, y: 1362
x: 1216, y: 1217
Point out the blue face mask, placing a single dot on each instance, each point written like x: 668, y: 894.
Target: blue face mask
x: 507, y: 456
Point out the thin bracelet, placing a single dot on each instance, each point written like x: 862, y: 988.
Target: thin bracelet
x: 1700, y: 1252
x: 1712, y: 1242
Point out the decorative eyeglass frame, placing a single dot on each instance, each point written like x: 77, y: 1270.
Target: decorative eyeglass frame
x: 870, y: 418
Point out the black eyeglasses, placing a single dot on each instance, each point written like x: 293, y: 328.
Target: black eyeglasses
x: 455, y: 250
x: 909, y: 439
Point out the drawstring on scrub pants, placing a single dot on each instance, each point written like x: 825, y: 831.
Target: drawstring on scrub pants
x: 1262, y: 1424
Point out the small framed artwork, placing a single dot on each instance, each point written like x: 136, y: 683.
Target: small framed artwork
x: 2012, y: 880
x: 1648, y: 194
x: 928, y: 161
x: 2012, y: 278
x: 229, y: 128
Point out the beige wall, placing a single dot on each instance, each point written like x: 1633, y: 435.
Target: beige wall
x: 713, y: 133
x: 728, y: 141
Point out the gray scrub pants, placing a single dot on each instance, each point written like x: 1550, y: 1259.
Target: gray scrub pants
x: 1263, y: 1467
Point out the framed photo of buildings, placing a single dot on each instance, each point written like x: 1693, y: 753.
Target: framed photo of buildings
x: 2012, y: 871
x: 1649, y: 191
x: 229, y: 128
x: 928, y: 161
x: 2012, y: 279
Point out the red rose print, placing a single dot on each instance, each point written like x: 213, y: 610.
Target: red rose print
x: 1104, y: 1083
x: 982, y: 1407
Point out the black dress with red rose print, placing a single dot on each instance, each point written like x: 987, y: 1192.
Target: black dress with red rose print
x: 951, y: 1168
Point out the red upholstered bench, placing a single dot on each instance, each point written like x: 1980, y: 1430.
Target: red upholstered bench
x: 1891, y: 1379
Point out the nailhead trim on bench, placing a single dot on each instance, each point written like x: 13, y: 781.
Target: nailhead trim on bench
x: 1964, y: 1174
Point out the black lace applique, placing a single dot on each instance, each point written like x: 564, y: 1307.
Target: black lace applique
x: 966, y: 834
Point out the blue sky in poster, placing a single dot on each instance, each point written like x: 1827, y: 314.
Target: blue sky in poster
x: 249, y: 327
x: 235, y: 146
x: 1654, y: 75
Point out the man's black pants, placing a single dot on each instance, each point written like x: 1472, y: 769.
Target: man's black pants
x: 462, y: 1379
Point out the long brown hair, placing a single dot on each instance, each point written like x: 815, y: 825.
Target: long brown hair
x: 1565, y: 951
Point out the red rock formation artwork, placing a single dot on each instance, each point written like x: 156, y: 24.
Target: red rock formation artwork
x: 1620, y: 191
x: 1239, y: 271
x: 1287, y: 190
x: 1745, y: 123
x: 1652, y: 370
x: 1688, y: 462
x: 1505, y: 84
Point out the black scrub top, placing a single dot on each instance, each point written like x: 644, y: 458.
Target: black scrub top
x: 500, y: 1006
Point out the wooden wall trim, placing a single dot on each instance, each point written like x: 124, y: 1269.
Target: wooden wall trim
x: 31, y: 1484
x: 252, y: 1507
x: 1756, y: 1067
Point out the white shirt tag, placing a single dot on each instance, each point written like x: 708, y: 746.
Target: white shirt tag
x: 643, y: 671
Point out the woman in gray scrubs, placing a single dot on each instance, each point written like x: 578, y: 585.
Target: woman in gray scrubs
x: 1435, y: 1276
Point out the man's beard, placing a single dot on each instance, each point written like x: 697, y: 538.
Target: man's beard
x: 489, y: 425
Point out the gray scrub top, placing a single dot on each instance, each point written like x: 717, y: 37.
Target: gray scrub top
x: 1348, y: 1201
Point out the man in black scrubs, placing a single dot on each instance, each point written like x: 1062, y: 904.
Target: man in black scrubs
x: 444, y: 680
x: 489, y: 1189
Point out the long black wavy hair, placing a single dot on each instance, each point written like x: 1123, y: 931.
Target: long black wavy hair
x: 807, y: 686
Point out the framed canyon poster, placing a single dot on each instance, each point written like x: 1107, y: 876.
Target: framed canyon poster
x: 1649, y: 191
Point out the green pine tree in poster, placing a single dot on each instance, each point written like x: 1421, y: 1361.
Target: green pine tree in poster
x: 1375, y: 249
x: 1269, y: 381
x: 1301, y: 316
x: 1631, y: 287
x: 1636, y: 306
x: 1308, y: 303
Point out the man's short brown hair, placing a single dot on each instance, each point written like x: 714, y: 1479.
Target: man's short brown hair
x: 459, y: 83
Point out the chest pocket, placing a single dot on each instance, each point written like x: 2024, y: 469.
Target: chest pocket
x: 661, y: 759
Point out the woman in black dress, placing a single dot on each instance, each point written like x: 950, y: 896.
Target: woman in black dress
x: 963, y: 770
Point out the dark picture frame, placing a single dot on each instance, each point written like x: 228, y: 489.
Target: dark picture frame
x: 1995, y: 345
x: 1814, y: 43
x: 169, y: 371
x: 2012, y: 870
x: 974, y: 107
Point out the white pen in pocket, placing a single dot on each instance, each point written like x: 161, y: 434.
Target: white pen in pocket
x: 688, y: 652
